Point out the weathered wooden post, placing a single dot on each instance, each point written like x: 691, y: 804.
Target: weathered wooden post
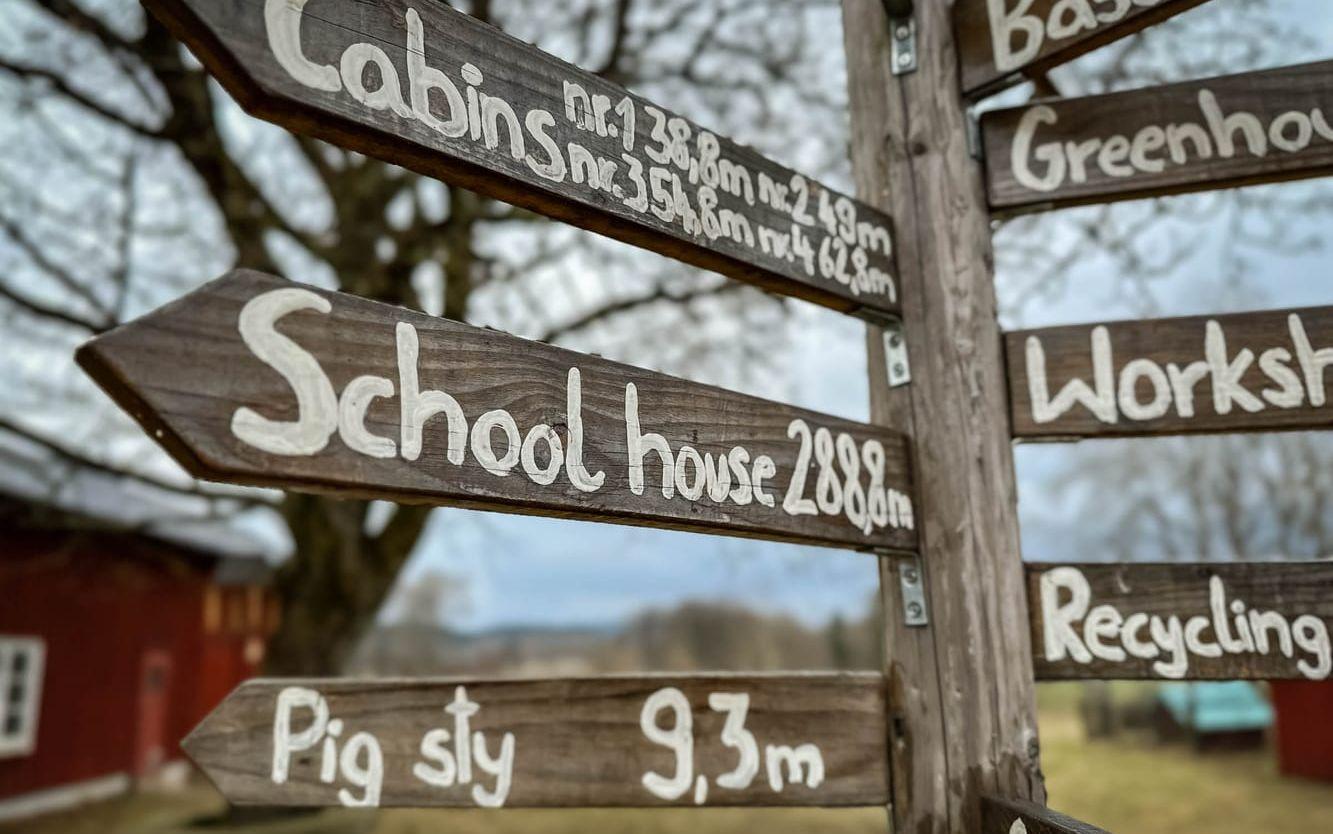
x: 962, y: 715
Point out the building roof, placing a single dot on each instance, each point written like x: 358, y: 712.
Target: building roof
x: 227, y: 566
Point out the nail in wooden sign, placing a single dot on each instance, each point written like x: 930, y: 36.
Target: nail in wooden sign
x: 714, y: 740
x: 998, y: 40
x: 1227, y: 621
x: 419, y: 84
x: 1265, y: 371
x: 1016, y: 816
x: 255, y: 380
x: 1224, y: 132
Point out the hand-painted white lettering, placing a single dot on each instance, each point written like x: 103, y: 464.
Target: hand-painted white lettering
x: 679, y: 738
x: 734, y: 476
x: 444, y: 767
x: 682, y: 178
x: 804, y: 764
x: 282, y: 19
x: 317, y: 405
x: 1066, y: 597
x: 1049, y: 165
x: 1173, y: 387
x: 367, y: 775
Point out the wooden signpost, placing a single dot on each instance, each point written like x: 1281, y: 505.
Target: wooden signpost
x: 430, y: 88
x: 1015, y: 816
x: 999, y: 41
x: 1225, y: 621
x: 255, y: 380
x: 1268, y: 371
x: 1236, y: 130
x: 712, y: 740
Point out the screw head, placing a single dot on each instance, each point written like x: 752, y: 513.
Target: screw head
x: 903, y: 33
x: 910, y: 576
x: 895, y: 340
x: 914, y: 609
x: 898, y: 369
x: 904, y: 59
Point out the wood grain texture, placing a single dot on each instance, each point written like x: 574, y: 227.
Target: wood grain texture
x: 635, y: 182
x: 1290, y: 117
x: 1003, y: 816
x: 977, y: 24
x: 184, y: 373
x: 1290, y: 589
x: 1272, y: 371
x: 962, y: 714
x: 577, y: 742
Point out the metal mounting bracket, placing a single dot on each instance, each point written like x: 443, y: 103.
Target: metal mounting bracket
x: 902, y: 30
x: 915, y: 614
x: 895, y: 354
x: 975, y: 146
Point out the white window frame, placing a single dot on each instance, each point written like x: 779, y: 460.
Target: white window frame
x: 25, y: 743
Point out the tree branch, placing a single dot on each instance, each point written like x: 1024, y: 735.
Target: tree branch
x: 625, y: 305
x: 69, y: 456
x: 61, y: 86
x: 37, y: 308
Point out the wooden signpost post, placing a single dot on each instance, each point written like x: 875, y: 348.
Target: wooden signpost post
x: 1226, y: 621
x: 609, y: 741
x: 1000, y: 41
x: 432, y: 89
x: 1267, y: 371
x: 255, y: 380
x: 1246, y: 129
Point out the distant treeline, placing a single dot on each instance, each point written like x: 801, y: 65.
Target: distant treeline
x: 692, y: 636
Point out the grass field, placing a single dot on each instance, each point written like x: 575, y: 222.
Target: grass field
x: 1128, y: 785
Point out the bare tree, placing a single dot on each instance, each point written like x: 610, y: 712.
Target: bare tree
x: 129, y: 177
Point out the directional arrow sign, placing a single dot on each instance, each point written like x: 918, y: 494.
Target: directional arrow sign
x: 1238, y: 621
x: 700, y: 740
x: 1000, y: 40
x: 1264, y: 371
x: 1224, y: 132
x: 434, y: 90
x: 1013, y: 816
x: 254, y: 380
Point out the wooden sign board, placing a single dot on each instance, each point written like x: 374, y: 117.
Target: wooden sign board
x: 434, y: 90
x: 648, y: 741
x: 1264, y: 371
x: 1016, y: 816
x: 255, y: 380
x: 1224, y: 132
x: 1228, y: 621
x: 1000, y: 40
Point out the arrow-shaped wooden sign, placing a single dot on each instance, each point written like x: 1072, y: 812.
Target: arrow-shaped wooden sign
x: 1206, y: 621
x: 1261, y: 371
x: 1016, y: 816
x: 1246, y: 129
x: 1000, y: 40
x: 427, y: 87
x: 646, y: 741
x: 255, y: 380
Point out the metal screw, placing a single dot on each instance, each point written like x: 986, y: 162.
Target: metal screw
x: 895, y: 340
x: 904, y: 59
x: 914, y: 610
x: 903, y: 33
x: 898, y: 369
x: 909, y: 576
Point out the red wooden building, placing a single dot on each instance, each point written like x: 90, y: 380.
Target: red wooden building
x: 112, y: 647
x: 1304, y: 731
